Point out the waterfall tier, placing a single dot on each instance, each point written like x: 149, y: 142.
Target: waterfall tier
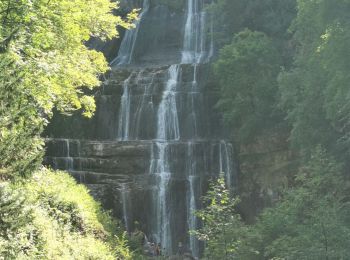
x: 119, y: 172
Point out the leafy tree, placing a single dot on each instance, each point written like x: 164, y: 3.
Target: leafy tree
x: 45, y: 64
x: 315, y: 91
x: 247, y: 71
x: 222, y: 227
x: 273, y: 17
x: 20, y: 124
x: 311, y: 222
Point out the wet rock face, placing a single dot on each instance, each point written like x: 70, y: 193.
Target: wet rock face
x: 144, y: 89
x: 160, y: 37
x: 159, y: 40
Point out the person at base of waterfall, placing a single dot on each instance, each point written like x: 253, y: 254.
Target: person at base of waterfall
x: 154, y: 249
x: 158, y: 250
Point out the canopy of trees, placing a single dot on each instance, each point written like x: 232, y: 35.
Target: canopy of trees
x: 45, y: 64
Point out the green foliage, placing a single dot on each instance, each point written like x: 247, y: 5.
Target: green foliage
x: 45, y: 64
x: 311, y: 222
x: 48, y: 44
x: 247, y: 70
x: 20, y: 124
x: 315, y: 91
x: 273, y: 17
x: 222, y: 226
x: 18, y: 237
x: 57, y: 220
x: 311, y: 219
x: 248, y: 65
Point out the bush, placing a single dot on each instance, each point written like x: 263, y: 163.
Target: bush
x: 57, y: 220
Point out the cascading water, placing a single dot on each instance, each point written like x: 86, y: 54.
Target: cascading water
x: 124, y: 115
x: 226, y: 167
x: 211, y: 48
x: 146, y: 106
x: 193, y: 182
x: 69, y: 159
x: 135, y: 105
x: 126, y: 50
x: 125, y: 202
x: 168, y: 122
x: 194, y: 51
x: 160, y: 168
x: 167, y: 129
x: 194, y: 48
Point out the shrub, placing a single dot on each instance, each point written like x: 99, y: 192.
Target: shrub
x: 52, y: 217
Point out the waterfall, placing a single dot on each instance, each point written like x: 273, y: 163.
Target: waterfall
x: 167, y: 146
x: 194, y: 95
x: 226, y: 163
x: 160, y: 168
x: 195, y: 51
x: 194, y: 37
x: 125, y: 202
x: 193, y: 181
x: 69, y: 159
x: 211, y: 48
x: 167, y: 129
x: 168, y: 122
x: 161, y: 148
x: 145, y: 106
x: 130, y: 119
x: 124, y: 113
x: 127, y: 47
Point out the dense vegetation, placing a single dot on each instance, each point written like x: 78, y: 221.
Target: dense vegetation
x: 311, y: 220
x: 285, y: 73
x: 51, y: 217
x: 45, y: 64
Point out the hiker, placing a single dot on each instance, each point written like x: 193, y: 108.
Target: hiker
x: 158, y: 250
x: 154, y: 249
